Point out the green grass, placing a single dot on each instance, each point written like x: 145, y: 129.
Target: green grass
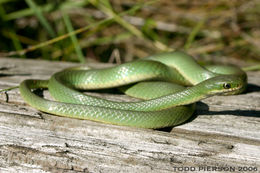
x: 38, y: 13
x: 80, y: 30
x: 73, y: 38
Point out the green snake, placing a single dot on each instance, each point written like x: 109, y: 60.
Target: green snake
x: 158, y: 80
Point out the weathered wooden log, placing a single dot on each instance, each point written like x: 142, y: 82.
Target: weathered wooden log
x: 223, y: 135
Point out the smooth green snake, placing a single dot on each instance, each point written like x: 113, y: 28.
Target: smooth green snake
x: 156, y: 79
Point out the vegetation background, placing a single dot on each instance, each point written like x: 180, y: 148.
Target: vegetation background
x: 123, y: 30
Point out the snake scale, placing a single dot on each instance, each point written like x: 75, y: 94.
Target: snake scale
x: 158, y: 80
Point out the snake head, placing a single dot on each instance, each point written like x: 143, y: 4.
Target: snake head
x: 225, y: 85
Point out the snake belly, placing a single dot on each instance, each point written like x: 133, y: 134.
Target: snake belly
x: 173, y: 105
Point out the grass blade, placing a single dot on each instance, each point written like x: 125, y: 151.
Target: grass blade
x: 40, y: 16
x: 73, y: 37
x: 193, y: 34
x: 16, y: 42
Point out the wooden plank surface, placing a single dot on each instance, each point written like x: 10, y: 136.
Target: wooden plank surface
x: 223, y: 134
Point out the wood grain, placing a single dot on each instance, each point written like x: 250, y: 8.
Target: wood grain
x: 224, y: 133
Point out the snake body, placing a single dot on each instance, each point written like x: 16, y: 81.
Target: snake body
x: 164, y: 104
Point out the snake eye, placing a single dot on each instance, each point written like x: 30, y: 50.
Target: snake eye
x: 227, y: 85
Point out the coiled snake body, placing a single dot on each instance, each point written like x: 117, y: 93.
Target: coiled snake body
x: 164, y: 104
